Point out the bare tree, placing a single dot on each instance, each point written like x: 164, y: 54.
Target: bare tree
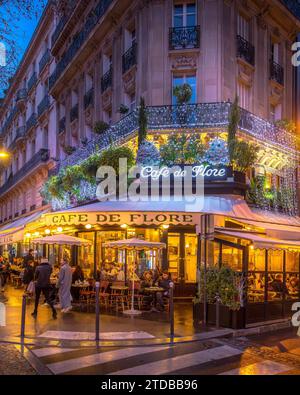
x: 11, y: 12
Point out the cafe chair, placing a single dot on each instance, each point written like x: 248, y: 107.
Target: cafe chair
x: 104, y: 295
x: 138, y: 297
x: 118, y: 297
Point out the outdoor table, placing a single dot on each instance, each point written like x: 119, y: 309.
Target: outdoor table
x: 154, y: 290
x: 119, y: 287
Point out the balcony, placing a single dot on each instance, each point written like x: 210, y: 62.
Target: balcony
x: 62, y: 125
x: 129, y: 58
x: 276, y: 72
x: 21, y: 95
x: 202, y: 116
x: 32, y: 81
x: 40, y: 157
x: 245, y: 50
x: 44, y: 105
x: 9, y: 119
x: 20, y: 133
x: 63, y: 21
x: 44, y: 60
x: 184, y: 37
x: 106, y: 80
x: 88, y: 99
x: 79, y: 40
x: 74, y: 113
x: 31, y: 122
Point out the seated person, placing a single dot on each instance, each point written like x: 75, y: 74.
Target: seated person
x: 78, y: 275
x: 121, y: 274
x: 163, y: 282
x: 277, y: 285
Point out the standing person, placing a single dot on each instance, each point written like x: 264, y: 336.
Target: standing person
x: 28, y: 258
x: 42, y: 278
x: 164, y: 283
x: 64, y: 286
x: 28, y: 275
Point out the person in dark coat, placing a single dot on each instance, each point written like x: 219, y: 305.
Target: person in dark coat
x: 163, y: 282
x: 28, y: 275
x: 28, y: 258
x: 43, y: 285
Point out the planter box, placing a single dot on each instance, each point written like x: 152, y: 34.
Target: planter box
x: 228, y: 318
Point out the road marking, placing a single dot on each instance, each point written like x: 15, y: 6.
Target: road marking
x: 100, y: 358
x: 45, y: 352
x: 68, y: 335
x: 181, y: 362
x: 259, y: 369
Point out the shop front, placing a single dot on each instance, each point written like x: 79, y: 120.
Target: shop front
x: 269, y: 265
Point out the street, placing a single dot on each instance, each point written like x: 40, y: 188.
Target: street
x: 269, y: 354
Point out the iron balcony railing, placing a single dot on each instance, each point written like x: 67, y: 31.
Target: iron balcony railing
x: 276, y: 72
x: 203, y: 116
x: 106, y: 80
x: 10, y: 119
x: 44, y: 60
x: 129, y: 58
x: 32, y: 81
x: 44, y: 105
x: 31, y: 122
x: 88, y: 99
x: 41, y: 156
x: 62, y: 125
x: 74, y: 113
x: 184, y: 37
x: 71, y: 5
x: 92, y: 20
x: 245, y: 50
x: 20, y: 134
x: 21, y: 94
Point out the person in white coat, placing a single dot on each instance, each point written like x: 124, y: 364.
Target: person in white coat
x: 64, y: 286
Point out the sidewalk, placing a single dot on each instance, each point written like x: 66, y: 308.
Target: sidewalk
x: 81, y: 325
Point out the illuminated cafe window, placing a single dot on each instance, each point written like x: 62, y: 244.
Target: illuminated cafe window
x: 256, y: 260
x: 292, y: 261
x: 292, y: 286
x: 232, y: 257
x: 256, y: 287
x: 275, y: 260
x: 276, y: 287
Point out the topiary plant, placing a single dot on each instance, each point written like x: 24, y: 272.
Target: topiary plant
x: 89, y: 167
x: 143, y: 122
x: 234, y: 119
x: 148, y: 154
x: 111, y: 156
x: 100, y: 127
x: 243, y: 155
x: 183, y: 93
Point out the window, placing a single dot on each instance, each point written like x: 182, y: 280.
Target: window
x: 179, y: 80
x: 275, y: 52
x: 232, y: 257
x: 275, y: 112
x: 33, y: 147
x: 107, y: 63
x: 243, y: 27
x: 185, y: 15
x: 243, y: 93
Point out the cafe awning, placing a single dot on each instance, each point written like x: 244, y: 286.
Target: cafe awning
x: 13, y: 232
x: 62, y: 239
x: 262, y: 242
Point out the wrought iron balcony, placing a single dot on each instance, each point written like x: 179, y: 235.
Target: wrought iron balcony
x: 184, y: 37
x: 74, y: 113
x: 106, y: 80
x: 9, y: 119
x: 21, y: 94
x: 40, y: 157
x: 276, y: 72
x: 31, y: 122
x: 129, y: 58
x: 20, y: 134
x: 245, y: 50
x: 79, y: 40
x: 32, y: 81
x: 58, y: 30
x: 88, y: 99
x: 62, y: 125
x: 44, y: 105
x: 202, y: 116
x: 44, y: 60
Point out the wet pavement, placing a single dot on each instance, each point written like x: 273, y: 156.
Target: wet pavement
x: 82, y: 323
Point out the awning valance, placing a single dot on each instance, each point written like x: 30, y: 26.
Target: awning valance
x: 261, y: 241
x: 13, y: 232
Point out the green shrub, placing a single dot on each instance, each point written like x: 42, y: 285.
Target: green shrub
x: 183, y: 93
x: 100, y: 127
x: 111, y: 156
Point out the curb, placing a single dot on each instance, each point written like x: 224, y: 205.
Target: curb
x: 257, y: 330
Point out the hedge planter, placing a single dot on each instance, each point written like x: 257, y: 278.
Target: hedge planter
x: 228, y: 318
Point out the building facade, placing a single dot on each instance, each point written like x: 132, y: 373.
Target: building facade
x: 98, y: 60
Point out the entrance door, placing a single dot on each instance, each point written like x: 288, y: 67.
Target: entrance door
x: 174, y: 254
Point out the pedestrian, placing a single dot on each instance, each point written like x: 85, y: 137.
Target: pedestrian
x: 64, y: 286
x: 42, y: 285
x: 28, y: 275
x: 164, y: 283
x: 28, y: 258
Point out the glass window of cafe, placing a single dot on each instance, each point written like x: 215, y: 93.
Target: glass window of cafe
x: 278, y: 280
x: 120, y: 259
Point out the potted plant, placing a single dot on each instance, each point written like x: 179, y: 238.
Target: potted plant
x: 183, y: 93
x: 286, y: 124
x: 90, y: 166
x: 100, y: 127
x: 123, y: 110
x: 68, y: 149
